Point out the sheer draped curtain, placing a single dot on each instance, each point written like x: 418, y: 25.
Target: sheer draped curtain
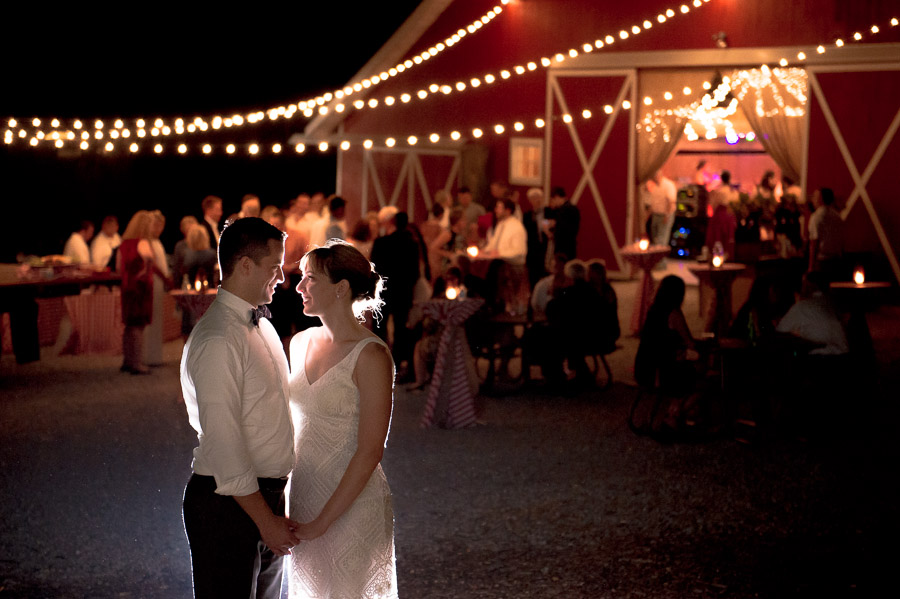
x: 661, y: 124
x: 773, y: 102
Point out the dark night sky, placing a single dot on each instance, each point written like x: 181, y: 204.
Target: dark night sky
x: 169, y: 61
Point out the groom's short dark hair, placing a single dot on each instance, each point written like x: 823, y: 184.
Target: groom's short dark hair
x: 245, y: 237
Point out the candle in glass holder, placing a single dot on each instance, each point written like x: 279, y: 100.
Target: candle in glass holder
x: 644, y: 244
x: 197, y: 285
x: 717, y: 261
x: 472, y: 251
x: 859, y: 277
x: 452, y: 293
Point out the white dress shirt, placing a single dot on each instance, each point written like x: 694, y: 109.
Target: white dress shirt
x: 234, y: 377
x: 102, y: 248
x: 77, y: 249
x: 510, y: 240
x: 813, y: 319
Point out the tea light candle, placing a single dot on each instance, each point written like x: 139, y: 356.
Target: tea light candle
x: 859, y: 277
x: 197, y: 285
x: 644, y: 244
x: 452, y: 293
x: 717, y: 261
x: 472, y: 251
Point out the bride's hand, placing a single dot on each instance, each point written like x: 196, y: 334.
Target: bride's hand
x: 310, y: 530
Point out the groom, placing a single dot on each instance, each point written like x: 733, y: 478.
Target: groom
x: 234, y: 381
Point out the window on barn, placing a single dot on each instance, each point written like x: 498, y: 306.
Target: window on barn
x: 526, y: 160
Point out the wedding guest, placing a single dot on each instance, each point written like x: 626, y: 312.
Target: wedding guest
x: 77, y: 245
x: 153, y: 334
x: 472, y: 210
x: 136, y: 264
x: 105, y: 243
x: 826, y: 234
x: 181, y: 246
x: 212, y: 214
x: 337, y: 224
x: 250, y: 206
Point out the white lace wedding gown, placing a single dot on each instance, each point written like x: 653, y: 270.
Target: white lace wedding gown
x: 355, y: 558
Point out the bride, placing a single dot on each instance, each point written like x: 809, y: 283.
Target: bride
x: 341, y: 398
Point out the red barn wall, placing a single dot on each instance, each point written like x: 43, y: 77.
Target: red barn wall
x: 530, y: 29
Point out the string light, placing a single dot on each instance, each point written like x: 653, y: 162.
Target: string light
x: 742, y: 83
x: 281, y: 111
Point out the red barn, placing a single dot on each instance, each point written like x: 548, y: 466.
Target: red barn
x: 594, y: 96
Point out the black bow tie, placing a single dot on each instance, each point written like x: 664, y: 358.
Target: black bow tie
x: 260, y: 312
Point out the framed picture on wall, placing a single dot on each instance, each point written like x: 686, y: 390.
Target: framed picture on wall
x: 526, y: 160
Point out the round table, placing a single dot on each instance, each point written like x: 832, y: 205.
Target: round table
x: 720, y: 279
x: 645, y: 260
x: 451, y: 394
x: 194, y: 303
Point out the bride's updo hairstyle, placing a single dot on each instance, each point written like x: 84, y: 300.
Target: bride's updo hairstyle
x: 339, y: 261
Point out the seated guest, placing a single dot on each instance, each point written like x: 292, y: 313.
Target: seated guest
x: 77, y: 244
x: 105, y: 243
x: 766, y: 303
x: 544, y: 289
x: 667, y: 347
x: 813, y: 318
x: 571, y: 317
x: 607, y: 311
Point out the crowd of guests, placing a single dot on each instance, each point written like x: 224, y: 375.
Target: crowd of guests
x: 521, y: 244
x: 772, y: 215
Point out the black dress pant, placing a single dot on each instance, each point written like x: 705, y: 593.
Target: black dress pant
x: 228, y: 558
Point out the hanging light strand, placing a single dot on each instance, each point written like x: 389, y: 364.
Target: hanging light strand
x: 308, y: 107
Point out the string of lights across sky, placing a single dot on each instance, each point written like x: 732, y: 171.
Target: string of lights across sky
x: 141, y: 128
x: 704, y: 110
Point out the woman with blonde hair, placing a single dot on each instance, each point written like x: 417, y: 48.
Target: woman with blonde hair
x: 153, y: 334
x: 136, y: 265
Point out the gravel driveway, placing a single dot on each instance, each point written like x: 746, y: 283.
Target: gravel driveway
x: 553, y: 497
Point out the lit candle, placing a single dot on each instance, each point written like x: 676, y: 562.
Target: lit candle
x: 472, y: 251
x: 859, y: 277
x: 643, y: 244
x: 197, y: 285
x: 452, y: 293
x: 717, y: 261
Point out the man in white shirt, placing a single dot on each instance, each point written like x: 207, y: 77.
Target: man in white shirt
x: 826, y: 233
x: 105, y: 242
x: 660, y: 194
x: 77, y: 245
x: 508, y: 240
x: 813, y: 319
x: 234, y: 380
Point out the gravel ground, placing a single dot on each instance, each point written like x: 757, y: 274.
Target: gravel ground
x: 553, y: 497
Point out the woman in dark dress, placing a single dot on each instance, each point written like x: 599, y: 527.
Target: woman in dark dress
x: 136, y: 265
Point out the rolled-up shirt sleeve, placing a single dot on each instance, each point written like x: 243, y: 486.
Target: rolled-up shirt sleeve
x: 218, y: 376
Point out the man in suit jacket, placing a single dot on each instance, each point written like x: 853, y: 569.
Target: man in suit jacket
x: 396, y: 257
x: 212, y: 214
